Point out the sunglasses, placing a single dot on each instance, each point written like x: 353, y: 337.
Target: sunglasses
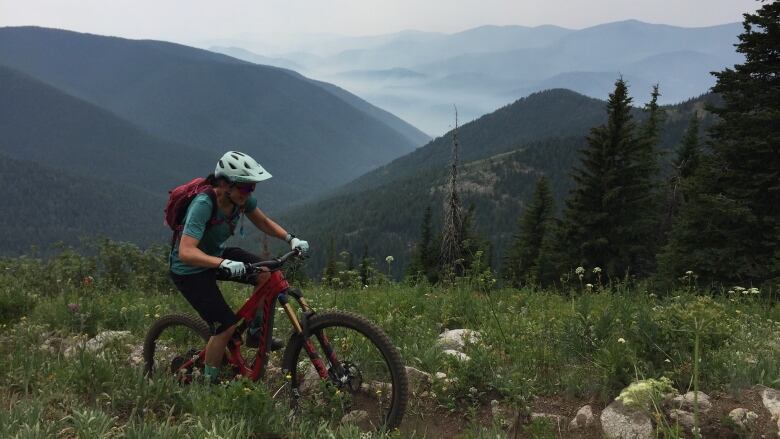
x: 245, y: 188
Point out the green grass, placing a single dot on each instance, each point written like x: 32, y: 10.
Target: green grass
x: 583, y: 345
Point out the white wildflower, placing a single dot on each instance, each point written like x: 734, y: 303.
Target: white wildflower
x: 622, y: 340
x: 389, y: 259
x: 597, y: 270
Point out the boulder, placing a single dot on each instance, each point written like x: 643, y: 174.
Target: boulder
x: 456, y: 339
x: 743, y: 418
x: 622, y: 422
x: 457, y: 354
x: 583, y: 419
x: 419, y: 381
x: 97, y: 343
x: 685, y: 402
x: 771, y: 400
x: 683, y: 418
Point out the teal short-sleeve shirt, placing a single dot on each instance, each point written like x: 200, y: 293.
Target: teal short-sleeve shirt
x: 210, y: 240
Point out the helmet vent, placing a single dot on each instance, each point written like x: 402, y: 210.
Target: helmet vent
x: 221, y: 165
x: 246, y: 165
x: 235, y: 157
x: 238, y: 153
x: 232, y: 166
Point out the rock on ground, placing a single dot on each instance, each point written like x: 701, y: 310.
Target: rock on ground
x: 457, y: 338
x: 97, y: 342
x: 621, y: 422
x: 457, y: 354
x: 355, y: 417
x: 419, y: 381
x: 683, y: 418
x: 583, y: 419
x: 685, y: 402
x: 743, y: 418
x: 771, y: 400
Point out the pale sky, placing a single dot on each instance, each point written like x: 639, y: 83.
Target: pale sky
x: 192, y: 21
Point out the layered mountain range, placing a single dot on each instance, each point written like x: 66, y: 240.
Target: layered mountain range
x: 143, y: 116
x: 421, y: 75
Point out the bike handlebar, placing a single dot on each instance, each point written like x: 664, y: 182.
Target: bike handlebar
x: 272, y: 265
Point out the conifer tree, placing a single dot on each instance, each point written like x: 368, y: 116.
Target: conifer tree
x: 683, y: 167
x: 473, y: 241
x: 522, y: 262
x: 365, y: 266
x: 605, y: 223
x: 729, y: 228
x: 330, y: 262
x: 424, y: 259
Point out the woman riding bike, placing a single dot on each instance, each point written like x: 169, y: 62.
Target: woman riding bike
x: 199, y: 257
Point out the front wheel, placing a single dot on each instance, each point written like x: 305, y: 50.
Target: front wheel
x: 366, y: 383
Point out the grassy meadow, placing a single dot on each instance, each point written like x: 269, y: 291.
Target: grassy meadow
x: 581, y: 345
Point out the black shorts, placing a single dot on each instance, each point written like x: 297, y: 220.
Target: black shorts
x: 201, y: 291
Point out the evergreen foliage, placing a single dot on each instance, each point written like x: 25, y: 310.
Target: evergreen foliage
x: 522, y: 262
x: 688, y: 157
x: 425, y: 257
x: 606, y: 218
x: 729, y: 230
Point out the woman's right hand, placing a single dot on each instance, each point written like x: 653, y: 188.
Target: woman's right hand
x: 233, y: 268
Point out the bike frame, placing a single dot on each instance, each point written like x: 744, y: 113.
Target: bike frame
x: 262, y: 300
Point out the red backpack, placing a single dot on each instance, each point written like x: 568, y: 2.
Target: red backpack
x: 179, y: 200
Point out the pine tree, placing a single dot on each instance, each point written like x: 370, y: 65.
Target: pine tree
x: 331, y: 270
x: 522, y: 263
x: 606, y: 219
x: 729, y: 229
x: 647, y: 216
x: 473, y: 242
x: 683, y: 165
x: 424, y: 258
x: 365, y: 266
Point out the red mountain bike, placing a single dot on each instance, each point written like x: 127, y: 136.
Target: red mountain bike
x: 335, y: 362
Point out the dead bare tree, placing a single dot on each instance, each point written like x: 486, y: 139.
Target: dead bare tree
x: 452, y: 238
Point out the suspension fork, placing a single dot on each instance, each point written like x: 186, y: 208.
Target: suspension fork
x: 302, y: 329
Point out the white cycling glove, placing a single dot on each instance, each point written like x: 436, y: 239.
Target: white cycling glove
x: 234, y: 268
x: 297, y: 243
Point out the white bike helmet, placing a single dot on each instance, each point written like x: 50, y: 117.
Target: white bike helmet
x: 240, y: 168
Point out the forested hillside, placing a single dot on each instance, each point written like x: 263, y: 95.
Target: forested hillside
x: 503, y: 155
x: 48, y: 127
x: 42, y: 206
x: 213, y: 102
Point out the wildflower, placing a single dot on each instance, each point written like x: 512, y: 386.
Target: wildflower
x: 73, y: 307
x: 597, y: 270
x: 389, y: 259
x: 288, y: 377
x: 87, y: 281
x: 667, y: 361
x: 753, y: 290
x: 579, y: 271
x: 589, y: 286
x: 689, y: 273
x: 622, y: 340
x: 739, y: 289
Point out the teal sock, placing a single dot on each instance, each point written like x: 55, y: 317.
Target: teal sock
x: 211, y: 373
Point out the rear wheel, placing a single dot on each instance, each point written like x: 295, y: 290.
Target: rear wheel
x: 366, y: 383
x: 173, y: 340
